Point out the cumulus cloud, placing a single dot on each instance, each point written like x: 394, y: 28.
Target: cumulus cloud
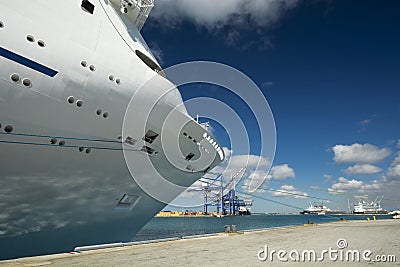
x: 393, y: 172
x: 256, y: 177
x: 255, y: 174
x: 359, y: 153
x: 193, y: 190
x: 289, y: 191
x: 212, y: 13
x: 230, y: 15
x: 252, y: 171
x: 344, y: 185
x: 281, y: 172
x: 373, y: 186
x: 363, y: 169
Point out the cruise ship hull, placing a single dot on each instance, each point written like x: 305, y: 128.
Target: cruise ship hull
x: 84, y: 138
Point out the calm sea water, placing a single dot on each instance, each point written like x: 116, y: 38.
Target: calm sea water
x: 167, y: 227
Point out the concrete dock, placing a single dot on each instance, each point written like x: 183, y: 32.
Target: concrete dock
x: 338, y: 243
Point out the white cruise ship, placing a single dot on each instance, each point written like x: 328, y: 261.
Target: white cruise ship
x: 68, y: 172
x: 373, y: 207
x: 316, y: 209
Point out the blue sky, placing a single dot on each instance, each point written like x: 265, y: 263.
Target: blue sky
x: 330, y: 71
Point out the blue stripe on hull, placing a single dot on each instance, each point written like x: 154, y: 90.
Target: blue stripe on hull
x: 27, y: 62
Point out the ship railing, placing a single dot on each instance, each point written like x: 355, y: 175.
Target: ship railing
x: 137, y: 11
x: 145, y: 7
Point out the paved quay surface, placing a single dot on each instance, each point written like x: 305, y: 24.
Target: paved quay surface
x: 381, y: 237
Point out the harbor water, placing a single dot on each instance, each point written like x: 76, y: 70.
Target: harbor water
x: 170, y: 227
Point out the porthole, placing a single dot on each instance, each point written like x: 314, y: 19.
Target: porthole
x: 71, y: 99
x: 88, y: 150
x: 53, y: 141
x: 8, y: 129
x: 1, y: 24
x: 83, y: 63
x: 30, y: 38
x: 15, y: 77
x: 111, y: 77
x: 98, y: 112
x: 118, y: 81
x: 61, y: 143
x: 105, y: 115
x: 81, y: 148
x: 79, y: 103
x: 92, y: 68
x: 26, y: 82
x: 185, y: 134
x: 41, y: 43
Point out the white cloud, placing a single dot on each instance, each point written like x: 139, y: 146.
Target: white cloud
x: 344, y: 185
x: 249, y: 161
x: 233, y: 16
x: 234, y: 163
x: 375, y: 185
x: 359, y: 153
x: 193, y: 190
x: 335, y: 192
x: 289, y: 191
x: 215, y: 14
x: 256, y: 173
x: 227, y: 152
x: 393, y: 172
x: 281, y: 172
x: 256, y: 177
x: 205, y: 12
x: 261, y: 176
x: 363, y: 169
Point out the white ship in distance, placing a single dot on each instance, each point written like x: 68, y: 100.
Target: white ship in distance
x: 68, y: 70
x: 373, y: 207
